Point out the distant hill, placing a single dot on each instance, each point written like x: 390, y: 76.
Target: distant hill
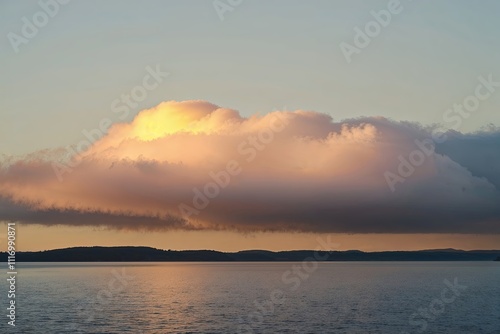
x: 132, y: 254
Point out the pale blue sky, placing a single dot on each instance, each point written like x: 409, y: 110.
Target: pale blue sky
x: 265, y: 55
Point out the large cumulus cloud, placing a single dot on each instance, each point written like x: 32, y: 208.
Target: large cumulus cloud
x: 293, y: 171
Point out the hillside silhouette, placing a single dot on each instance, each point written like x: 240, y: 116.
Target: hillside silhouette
x: 148, y: 254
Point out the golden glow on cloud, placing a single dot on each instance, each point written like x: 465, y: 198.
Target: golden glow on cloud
x: 169, y: 118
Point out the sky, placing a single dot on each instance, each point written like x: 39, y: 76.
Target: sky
x: 117, y: 119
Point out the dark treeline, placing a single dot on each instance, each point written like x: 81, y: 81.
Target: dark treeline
x: 131, y: 254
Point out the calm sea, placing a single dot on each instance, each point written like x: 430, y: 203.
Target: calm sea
x: 336, y: 297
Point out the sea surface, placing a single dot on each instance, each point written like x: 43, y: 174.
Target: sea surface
x: 290, y: 297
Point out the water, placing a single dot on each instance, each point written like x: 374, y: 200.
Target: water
x: 337, y: 297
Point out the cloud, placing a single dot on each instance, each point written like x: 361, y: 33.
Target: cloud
x: 478, y: 152
x: 293, y: 171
